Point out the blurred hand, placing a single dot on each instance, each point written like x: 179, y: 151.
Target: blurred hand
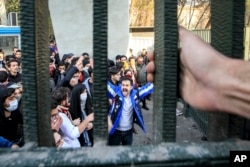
x: 90, y: 117
x: 89, y: 126
x: 76, y: 121
x: 56, y: 123
x: 14, y: 146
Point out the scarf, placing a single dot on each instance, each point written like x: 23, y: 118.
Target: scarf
x: 64, y: 110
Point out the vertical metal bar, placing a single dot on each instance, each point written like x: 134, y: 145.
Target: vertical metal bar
x: 221, y: 39
x: 35, y: 77
x: 227, y: 21
x: 100, y: 45
x: 166, y: 59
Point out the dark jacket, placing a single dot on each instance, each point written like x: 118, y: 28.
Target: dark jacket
x: 75, y: 108
x: 15, y: 79
x: 65, y: 82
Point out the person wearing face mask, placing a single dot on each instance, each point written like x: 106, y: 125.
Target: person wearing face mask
x: 80, y: 107
x: 11, y: 119
x: 18, y: 94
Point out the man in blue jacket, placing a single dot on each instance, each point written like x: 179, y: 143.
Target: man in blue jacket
x: 125, y: 111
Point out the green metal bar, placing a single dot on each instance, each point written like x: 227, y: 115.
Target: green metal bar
x: 236, y: 124
x: 227, y: 21
x: 35, y: 79
x: 100, y: 10
x: 165, y: 95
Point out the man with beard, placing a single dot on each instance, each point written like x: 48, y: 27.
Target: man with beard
x: 125, y: 111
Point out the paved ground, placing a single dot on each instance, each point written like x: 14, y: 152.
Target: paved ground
x: 186, y: 129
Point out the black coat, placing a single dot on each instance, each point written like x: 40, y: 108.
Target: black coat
x: 75, y: 108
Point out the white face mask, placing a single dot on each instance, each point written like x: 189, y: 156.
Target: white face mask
x: 19, y: 98
x: 83, y: 97
x: 13, y: 106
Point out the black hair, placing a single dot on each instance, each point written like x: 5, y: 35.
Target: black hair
x: 9, y: 57
x: 118, y: 57
x: 59, y: 94
x: 3, y: 76
x: 85, y: 53
x: 61, y: 63
x: 124, y: 56
x: 4, y: 94
x: 120, y: 65
x: 85, y: 61
x: 127, y: 79
x: 113, y: 70
x: 74, y: 60
x: 12, y: 60
x: 7, y: 92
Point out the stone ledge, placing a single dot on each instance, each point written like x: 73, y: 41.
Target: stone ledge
x: 171, y: 154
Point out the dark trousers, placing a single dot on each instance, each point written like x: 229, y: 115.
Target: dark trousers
x: 121, y: 137
x: 143, y: 100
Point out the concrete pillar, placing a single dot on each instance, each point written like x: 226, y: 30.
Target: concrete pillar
x: 73, y: 26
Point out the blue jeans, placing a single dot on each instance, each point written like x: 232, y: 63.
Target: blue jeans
x: 121, y: 137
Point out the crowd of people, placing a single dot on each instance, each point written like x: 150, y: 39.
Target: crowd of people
x: 71, y: 88
x: 209, y: 81
x: 11, y: 120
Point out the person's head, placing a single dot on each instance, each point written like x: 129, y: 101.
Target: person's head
x: 18, y: 90
x: 120, y: 65
x: 75, y: 79
x: 3, y: 76
x: 61, y: 66
x: 132, y: 61
x: 66, y: 58
x: 13, y: 66
x: 143, y: 52
x: 74, y: 60
x: 86, y: 63
x: 118, y: 58
x: 18, y: 54
x: 124, y: 58
x: 14, y: 49
x: 9, y: 57
x: 52, y: 43
x: 140, y: 60
x: 126, y: 86
x: 115, y: 74
x: 60, y: 96
x: 9, y: 101
x: 85, y: 55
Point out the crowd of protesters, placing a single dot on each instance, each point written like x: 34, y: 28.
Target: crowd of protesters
x: 71, y: 87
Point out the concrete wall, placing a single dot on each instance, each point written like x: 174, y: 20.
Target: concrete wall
x: 73, y: 26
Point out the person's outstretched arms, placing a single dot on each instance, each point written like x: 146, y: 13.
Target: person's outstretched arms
x: 211, y: 81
